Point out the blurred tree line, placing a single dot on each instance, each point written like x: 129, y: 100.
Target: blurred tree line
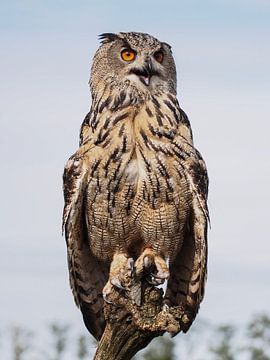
x: 203, y: 342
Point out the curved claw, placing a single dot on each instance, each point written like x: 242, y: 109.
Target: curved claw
x: 163, y: 277
x: 152, y: 265
x: 117, y: 283
x: 110, y: 302
x: 165, y: 308
x: 153, y: 280
x: 106, y: 300
x: 130, y: 265
x: 147, y: 262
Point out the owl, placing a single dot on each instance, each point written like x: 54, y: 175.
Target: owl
x: 136, y: 189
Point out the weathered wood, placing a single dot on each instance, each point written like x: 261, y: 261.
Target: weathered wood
x: 130, y: 328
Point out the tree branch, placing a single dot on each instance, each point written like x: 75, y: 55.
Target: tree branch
x: 130, y: 328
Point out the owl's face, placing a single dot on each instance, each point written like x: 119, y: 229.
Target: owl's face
x: 133, y: 59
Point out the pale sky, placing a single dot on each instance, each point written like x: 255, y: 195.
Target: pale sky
x: 222, y: 54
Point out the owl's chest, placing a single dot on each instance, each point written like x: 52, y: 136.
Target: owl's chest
x: 124, y: 186
x: 136, y: 202
x: 136, y: 164
x: 135, y: 192
x: 136, y: 188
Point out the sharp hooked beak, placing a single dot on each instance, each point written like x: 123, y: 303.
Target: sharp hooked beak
x: 145, y: 73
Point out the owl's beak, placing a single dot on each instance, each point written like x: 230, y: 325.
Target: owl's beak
x: 145, y: 73
x: 145, y: 80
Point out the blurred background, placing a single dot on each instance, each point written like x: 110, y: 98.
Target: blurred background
x: 221, y: 49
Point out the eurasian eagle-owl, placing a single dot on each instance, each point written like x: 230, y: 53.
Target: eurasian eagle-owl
x: 136, y: 189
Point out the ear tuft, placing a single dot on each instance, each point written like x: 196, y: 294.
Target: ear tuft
x: 107, y: 37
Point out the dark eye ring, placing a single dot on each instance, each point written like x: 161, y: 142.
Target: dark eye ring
x: 159, y: 56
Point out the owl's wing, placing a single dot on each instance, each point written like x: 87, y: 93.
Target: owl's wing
x: 87, y: 275
x: 189, y: 269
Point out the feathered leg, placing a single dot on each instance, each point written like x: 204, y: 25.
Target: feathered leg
x: 120, y: 274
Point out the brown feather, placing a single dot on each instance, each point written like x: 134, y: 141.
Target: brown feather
x: 87, y: 275
x: 136, y: 181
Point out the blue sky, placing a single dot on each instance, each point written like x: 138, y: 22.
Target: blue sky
x: 222, y: 55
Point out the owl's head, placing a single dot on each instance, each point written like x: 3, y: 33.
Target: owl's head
x: 135, y: 60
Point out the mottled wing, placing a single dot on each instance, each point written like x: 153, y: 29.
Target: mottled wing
x: 87, y: 275
x: 189, y: 268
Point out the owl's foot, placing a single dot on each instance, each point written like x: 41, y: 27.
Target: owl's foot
x: 120, y: 275
x: 153, y: 266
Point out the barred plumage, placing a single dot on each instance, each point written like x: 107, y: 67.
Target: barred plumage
x: 136, y: 181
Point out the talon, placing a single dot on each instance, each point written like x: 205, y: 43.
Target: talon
x: 152, y: 265
x: 130, y: 264
x: 106, y: 291
x: 106, y: 300
x: 153, y: 280
x: 116, y: 282
x: 163, y: 277
x: 165, y: 308
x: 120, y: 275
x: 110, y: 302
x: 147, y: 262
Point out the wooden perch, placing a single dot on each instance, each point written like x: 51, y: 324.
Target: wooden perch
x: 130, y: 328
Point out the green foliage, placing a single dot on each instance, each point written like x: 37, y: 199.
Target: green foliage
x: 202, y: 342
x: 223, y: 350
x: 258, y: 333
x: 20, y: 342
x: 259, y: 328
x: 82, y: 349
x: 59, y: 335
x: 160, y: 349
x: 258, y: 354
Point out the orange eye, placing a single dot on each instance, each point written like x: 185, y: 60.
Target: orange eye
x: 128, y: 55
x: 159, y: 56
